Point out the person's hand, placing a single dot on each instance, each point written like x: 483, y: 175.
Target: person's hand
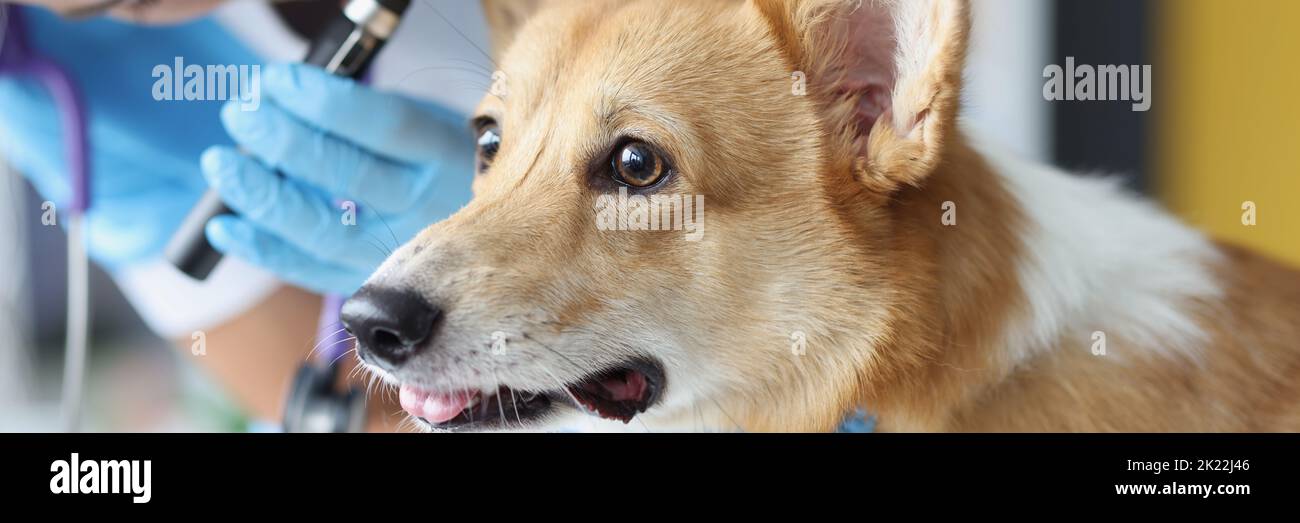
x: 144, y: 152
x: 333, y: 176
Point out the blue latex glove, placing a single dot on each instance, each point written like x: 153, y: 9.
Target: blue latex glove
x: 404, y: 164
x: 144, y: 169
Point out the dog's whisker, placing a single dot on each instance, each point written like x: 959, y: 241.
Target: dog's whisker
x: 396, y: 242
x: 322, y: 328
x: 476, y: 73
x: 572, y: 363
x: 408, y: 422
x: 356, y: 371
x: 457, y: 30
x: 322, y: 341
x: 473, y: 64
x: 560, y: 384
x: 500, y: 407
x: 381, y: 243
x: 515, y: 405
x: 475, y: 87
x: 371, y: 379
x: 341, y: 356
x: 381, y: 250
x: 333, y: 343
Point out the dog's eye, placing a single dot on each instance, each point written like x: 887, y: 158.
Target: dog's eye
x: 489, y: 142
x: 638, y: 165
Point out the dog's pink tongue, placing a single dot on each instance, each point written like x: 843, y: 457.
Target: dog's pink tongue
x: 434, y: 407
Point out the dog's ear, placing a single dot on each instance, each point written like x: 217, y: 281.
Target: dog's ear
x: 504, y: 18
x: 886, y: 73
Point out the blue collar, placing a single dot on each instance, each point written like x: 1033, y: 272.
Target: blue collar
x: 858, y: 422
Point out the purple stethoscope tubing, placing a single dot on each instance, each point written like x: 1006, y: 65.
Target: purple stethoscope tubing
x: 17, y: 58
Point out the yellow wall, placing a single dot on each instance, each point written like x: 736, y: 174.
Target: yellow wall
x: 1228, y: 128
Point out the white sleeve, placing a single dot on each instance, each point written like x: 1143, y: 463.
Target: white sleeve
x: 175, y: 306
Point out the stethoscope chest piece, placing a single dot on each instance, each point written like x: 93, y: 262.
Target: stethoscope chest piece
x: 316, y: 405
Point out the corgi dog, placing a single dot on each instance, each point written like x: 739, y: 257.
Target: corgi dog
x: 849, y: 247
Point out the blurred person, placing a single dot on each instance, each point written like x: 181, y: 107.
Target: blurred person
x: 315, y: 140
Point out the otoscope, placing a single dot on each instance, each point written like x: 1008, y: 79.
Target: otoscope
x: 346, y: 48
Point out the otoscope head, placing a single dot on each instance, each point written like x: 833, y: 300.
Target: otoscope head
x: 346, y: 47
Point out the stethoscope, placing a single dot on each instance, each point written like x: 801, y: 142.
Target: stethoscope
x: 17, y: 58
x: 316, y: 402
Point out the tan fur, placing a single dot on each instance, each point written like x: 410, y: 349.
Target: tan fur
x: 813, y: 225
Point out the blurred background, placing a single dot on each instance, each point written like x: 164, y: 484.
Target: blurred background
x: 1223, y: 128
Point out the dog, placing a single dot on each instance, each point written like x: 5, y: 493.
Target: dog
x: 858, y: 251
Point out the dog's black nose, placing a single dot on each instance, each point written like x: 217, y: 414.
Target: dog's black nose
x: 389, y: 324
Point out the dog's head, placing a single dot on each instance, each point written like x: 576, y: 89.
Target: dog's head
x: 681, y: 215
